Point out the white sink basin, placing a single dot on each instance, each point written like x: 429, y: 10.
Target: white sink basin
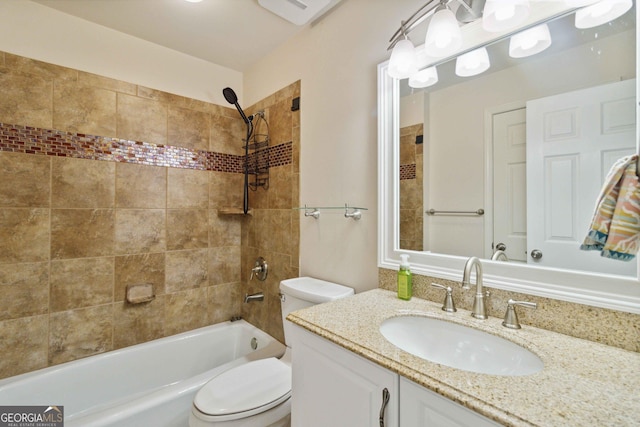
x: 458, y: 346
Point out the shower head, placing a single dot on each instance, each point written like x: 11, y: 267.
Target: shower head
x: 232, y: 98
x: 230, y: 95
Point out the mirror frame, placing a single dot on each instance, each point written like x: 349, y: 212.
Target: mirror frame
x: 599, y: 290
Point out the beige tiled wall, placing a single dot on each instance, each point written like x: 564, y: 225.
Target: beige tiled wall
x: 273, y: 231
x: 411, y: 208
x: 74, y: 232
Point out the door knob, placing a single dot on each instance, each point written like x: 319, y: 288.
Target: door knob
x: 536, y: 254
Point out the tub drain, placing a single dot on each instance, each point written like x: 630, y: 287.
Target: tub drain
x: 254, y: 343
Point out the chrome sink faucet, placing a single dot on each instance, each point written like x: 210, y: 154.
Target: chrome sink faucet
x: 479, y: 310
x: 498, y: 255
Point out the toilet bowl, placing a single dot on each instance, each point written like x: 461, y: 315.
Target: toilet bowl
x: 258, y: 393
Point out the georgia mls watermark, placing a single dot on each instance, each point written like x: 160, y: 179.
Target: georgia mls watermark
x: 31, y: 416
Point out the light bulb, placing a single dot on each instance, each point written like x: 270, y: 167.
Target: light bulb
x: 579, y: 3
x: 424, y: 78
x: 530, y: 42
x: 502, y: 15
x: 601, y: 12
x: 472, y: 63
x: 600, y: 9
x: 403, y: 62
x: 508, y: 11
x: 443, y: 34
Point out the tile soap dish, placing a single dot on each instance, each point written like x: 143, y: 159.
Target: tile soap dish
x: 139, y: 293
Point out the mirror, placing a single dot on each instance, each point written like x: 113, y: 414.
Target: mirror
x: 457, y: 137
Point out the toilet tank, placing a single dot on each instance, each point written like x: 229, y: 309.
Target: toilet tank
x: 302, y: 292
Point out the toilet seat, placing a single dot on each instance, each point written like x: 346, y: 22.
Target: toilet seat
x: 245, y: 390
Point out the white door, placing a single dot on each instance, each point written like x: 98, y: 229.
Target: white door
x: 572, y: 141
x: 509, y: 183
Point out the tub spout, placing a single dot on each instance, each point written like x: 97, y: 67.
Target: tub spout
x: 254, y: 297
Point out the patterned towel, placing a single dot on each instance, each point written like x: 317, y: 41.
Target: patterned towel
x: 615, y: 227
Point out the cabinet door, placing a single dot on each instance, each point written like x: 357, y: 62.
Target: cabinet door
x: 334, y: 387
x: 420, y: 407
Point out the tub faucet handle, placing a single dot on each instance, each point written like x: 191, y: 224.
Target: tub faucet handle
x: 260, y: 270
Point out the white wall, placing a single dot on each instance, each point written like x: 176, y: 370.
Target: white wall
x: 336, y: 61
x: 39, y: 32
x: 412, y: 109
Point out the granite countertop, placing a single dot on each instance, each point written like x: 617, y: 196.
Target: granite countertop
x: 582, y: 382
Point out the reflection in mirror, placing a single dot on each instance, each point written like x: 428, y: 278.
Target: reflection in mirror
x: 529, y: 142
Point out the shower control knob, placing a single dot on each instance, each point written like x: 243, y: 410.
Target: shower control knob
x: 260, y: 270
x: 536, y: 254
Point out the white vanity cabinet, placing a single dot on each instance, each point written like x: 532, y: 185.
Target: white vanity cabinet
x: 420, y: 407
x: 335, y: 387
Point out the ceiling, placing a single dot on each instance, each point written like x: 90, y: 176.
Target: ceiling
x: 231, y: 33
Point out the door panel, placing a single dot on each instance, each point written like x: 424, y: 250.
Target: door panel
x: 572, y: 141
x: 509, y: 183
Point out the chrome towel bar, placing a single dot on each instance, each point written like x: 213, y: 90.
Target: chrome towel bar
x: 478, y: 212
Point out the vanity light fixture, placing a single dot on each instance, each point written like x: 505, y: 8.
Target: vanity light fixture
x: 424, y: 78
x: 443, y: 34
x: 601, y: 12
x: 444, y: 37
x: 530, y: 42
x: 502, y: 15
x: 473, y: 63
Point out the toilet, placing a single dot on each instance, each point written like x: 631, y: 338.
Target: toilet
x: 258, y: 393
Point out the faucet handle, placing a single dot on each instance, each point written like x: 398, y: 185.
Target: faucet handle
x: 511, y: 317
x: 260, y: 270
x: 448, y: 304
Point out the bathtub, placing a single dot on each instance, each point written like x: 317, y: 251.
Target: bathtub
x: 150, y: 384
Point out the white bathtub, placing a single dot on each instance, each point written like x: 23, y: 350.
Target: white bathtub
x: 150, y: 384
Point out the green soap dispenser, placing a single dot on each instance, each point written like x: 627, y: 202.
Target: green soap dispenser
x: 405, y: 285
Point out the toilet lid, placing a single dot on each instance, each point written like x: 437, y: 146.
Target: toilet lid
x: 246, y: 389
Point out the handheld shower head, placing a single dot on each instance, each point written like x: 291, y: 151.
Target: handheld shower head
x: 230, y: 95
x: 232, y: 98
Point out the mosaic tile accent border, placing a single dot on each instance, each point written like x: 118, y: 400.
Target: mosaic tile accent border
x: 280, y: 155
x: 48, y: 142
x: 408, y: 171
